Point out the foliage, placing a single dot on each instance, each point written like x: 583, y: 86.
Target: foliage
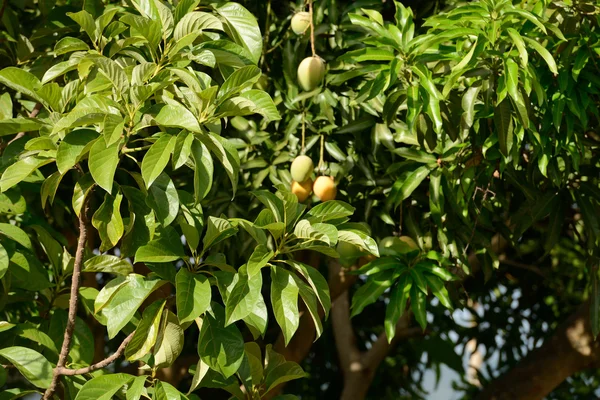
x: 164, y: 126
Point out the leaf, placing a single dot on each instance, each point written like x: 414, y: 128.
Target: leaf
x: 166, y: 248
x: 107, y: 220
x: 157, y: 158
x: 310, y: 300
x: 137, y: 389
x: 31, y: 364
x: 103, y: 387
x: 250, y: 102
x: 225, y: 153
x: 80, y: 192
x: 169, y: 342
x: 16, y: 125
x: 330, y: 210
x: 183, y: 149
x: 244, y: 294
x: 371, y: 290
x: 113, y: 128
x: 418, y: 302
x: 240, y: 79
x: 103, y: 161
x: 163, y: 199
x: 128, y: 298
x: 85, y: 20
x: 520, y: 44
x: 17, y: 234
x: 203, y: 170
x: 241, y: 26
x: 403, y: 188
x: 69, y: 44
x: 288, y: 371
x: 193, y: 295
x: 195, y: 22
x: 439, y: 290
x: 108, y: 263
x: 284, y: 298
x: 4, y: 260
x: 20, y: 170
x: 178, y: 116
x: 22, y: 81
x: 397, y: 305
x: 503, y: 122
x: 259, y: 258
x: 359, y: 239
x: 73, y: 147
x: 217, y: 229
x: 220, y: 347
x: 544, y: 53
x: 317, y: 282
x: 146, y: 27
x: 82, y: 346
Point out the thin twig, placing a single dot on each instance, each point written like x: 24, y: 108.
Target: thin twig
x: 4, y: 4
x: 68, y: 337
x: 100, y: 364
x: 303, y: 131
x: 32, y: 114
x: 312, y: 28
x: 320, y: 167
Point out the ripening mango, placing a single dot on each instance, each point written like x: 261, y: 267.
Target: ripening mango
x: 324, y: 188
x: 311, y: 72
x: 300, y: 22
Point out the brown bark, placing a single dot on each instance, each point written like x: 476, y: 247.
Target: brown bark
x: 569, y: 350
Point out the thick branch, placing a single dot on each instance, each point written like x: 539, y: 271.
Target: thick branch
x: 345, y: 340
x: 99, y: 365
x: 68, y: 337
x: 569, y: 350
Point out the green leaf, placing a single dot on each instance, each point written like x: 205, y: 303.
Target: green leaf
x: 359, y: 239
x: 73, y: 147
x: 259, y: 258
x: 330, y: 210
x: 157, y: 158
x: 4, y: 260
x: 166, y: 248
x: 86, y: 21
x: 416, y: 155
x: 225, y: 153
x: 103, y: 387
x: 16, y: 125
x: 68, y: 45
x: 403, y: 188
x: 317, y: 282
x: 163, y: 199
x: 371, y: 290
x: 252, y: 101
x: 310, y: 300
x: 113, y: 128
x: 397, y: 305
x: 439, y: 290
x: 195, y: 22
x: 203, y: 170
x: 240, y: 79
x: 107, y: 220
x: 418, y: 302
x: 288, y: 371
x: 503, y: 122
x: 169, y: 342
x: 241, y: 26
x: 220, y: 347
x: 20, y: 170
x: 80, y: 192
x: 217, y: 229
x: 103, y: 161
x: 22, y: 81
x: 178, y: 116
x: 244, y: 294
x: 520, y: 44
x: 284, y: 298
x: 183, y: 149
x: 128, y: 298
x: 31, y: 364
x: 137, y: 389
x: 108, y: 263
x: 17, y: 234
x: 544, y: 53
x: 193, y: 295
x: 146, y: 27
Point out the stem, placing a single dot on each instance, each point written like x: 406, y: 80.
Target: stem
x: 68, y: 337
x: 321, y: 162
x: 4, y: 4
x: 303, y: 131
x: 312, y: 28
x: 99, y: 364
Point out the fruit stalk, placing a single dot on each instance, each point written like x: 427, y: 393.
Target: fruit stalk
x: 312, y: 28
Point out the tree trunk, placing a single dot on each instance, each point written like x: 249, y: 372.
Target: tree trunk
x: 569, y: 350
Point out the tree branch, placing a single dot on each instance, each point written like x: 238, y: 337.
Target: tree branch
x: 99, y: 365
x: 68, y: 337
